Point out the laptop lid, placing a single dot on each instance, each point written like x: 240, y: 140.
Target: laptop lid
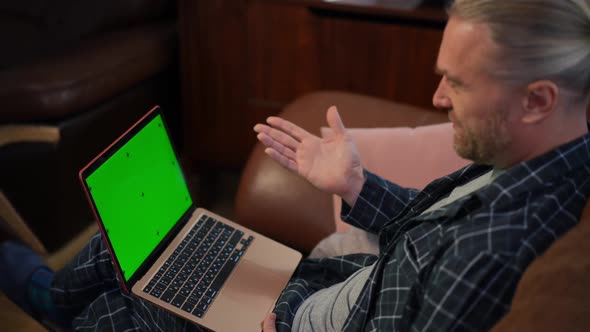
x: 139, y: 195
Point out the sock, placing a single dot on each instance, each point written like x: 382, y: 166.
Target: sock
x: 26, y: 280
x: 17, y: 264
x: 38, y: 293
x: 39, y: 297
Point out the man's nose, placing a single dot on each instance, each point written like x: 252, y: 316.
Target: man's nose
x: 440, y: 99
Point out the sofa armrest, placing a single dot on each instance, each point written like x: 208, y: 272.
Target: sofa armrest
x: 279, y: 204
x: 11, y: 134
x: 81, y: 77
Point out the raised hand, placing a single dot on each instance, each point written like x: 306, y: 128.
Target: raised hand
x: 332, y: 163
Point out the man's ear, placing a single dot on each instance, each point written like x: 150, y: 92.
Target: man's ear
x: 540, y: 101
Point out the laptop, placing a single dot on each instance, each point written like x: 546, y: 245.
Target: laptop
x: 166, y: 250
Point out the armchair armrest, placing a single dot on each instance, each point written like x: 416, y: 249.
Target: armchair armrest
x: 10, y: 134
x: 10, y: 220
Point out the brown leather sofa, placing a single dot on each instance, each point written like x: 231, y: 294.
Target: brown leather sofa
x: 73, y: 75
x: 554, y: 293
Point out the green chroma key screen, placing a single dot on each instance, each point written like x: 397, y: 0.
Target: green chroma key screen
x: 139, y: 193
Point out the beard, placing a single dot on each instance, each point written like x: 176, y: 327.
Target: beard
x: 485, y: 144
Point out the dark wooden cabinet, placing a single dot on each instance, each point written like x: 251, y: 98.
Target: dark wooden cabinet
x: 243, y: 60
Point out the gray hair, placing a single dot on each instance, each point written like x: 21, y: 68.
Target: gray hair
x: 538, y: 39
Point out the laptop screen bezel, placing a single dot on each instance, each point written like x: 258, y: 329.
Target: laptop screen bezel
x: 101, y: 159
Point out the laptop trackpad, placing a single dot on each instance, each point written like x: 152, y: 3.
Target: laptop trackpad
x: 246, y: 298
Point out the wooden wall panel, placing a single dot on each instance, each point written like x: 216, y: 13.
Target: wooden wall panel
x: 243, y: 60
x: 383, y: 59
x: 214, y: 79
x: 283, y: 46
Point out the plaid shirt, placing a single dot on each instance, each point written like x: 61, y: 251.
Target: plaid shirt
x: 455, y: 268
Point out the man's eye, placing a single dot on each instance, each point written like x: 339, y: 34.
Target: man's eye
x: 453, y: 84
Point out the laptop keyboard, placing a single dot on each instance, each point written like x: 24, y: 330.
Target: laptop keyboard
x: 193, y: 275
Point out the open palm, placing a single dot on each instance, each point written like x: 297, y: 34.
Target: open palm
x: 330, y: 163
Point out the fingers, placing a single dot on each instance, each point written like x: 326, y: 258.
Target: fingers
x: 276, y: 145
x: 334, y: 120
x: 269, y: 323
x: 272, y: 135
x: 282, y: 139
x: 288, y: 163
x: 287, y: 127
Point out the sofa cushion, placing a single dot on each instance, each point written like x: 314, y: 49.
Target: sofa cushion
x: 410, y: 157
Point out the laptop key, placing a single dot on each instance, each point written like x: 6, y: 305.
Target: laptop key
x: 196, y: 257
x: 201, y: 287
x: 182, y: 277
x: 211, y: 293
x: 203, y: 306
x: 186, y: 291
x: 190, y: 284
x: 198, y: 274
x: 156, y: 292
x: 167, y: 296
x: 176, y: 266
x: 178, y: 301
x: 206, y: 301
x: 194, y: 299
x: 188, y: 307
x: 198, y: 312
x: 208, y: 224
x: 174, y: 289
x: 207, y: 280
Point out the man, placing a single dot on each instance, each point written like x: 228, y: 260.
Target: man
x: 452, y: 254
x: 515, y: 83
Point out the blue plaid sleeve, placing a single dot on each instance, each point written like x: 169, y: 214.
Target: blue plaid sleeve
x: 379, y: 202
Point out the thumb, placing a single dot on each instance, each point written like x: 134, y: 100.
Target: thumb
x: 269, y: 323
x: 334, y: 120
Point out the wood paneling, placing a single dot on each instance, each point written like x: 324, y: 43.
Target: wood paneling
x: 393, y: 61
x: 243, y: 60
x: 214, y: 78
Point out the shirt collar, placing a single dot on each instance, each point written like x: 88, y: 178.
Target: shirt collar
x: 541, y: 170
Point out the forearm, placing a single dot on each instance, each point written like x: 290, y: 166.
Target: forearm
x: 378, y: 202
